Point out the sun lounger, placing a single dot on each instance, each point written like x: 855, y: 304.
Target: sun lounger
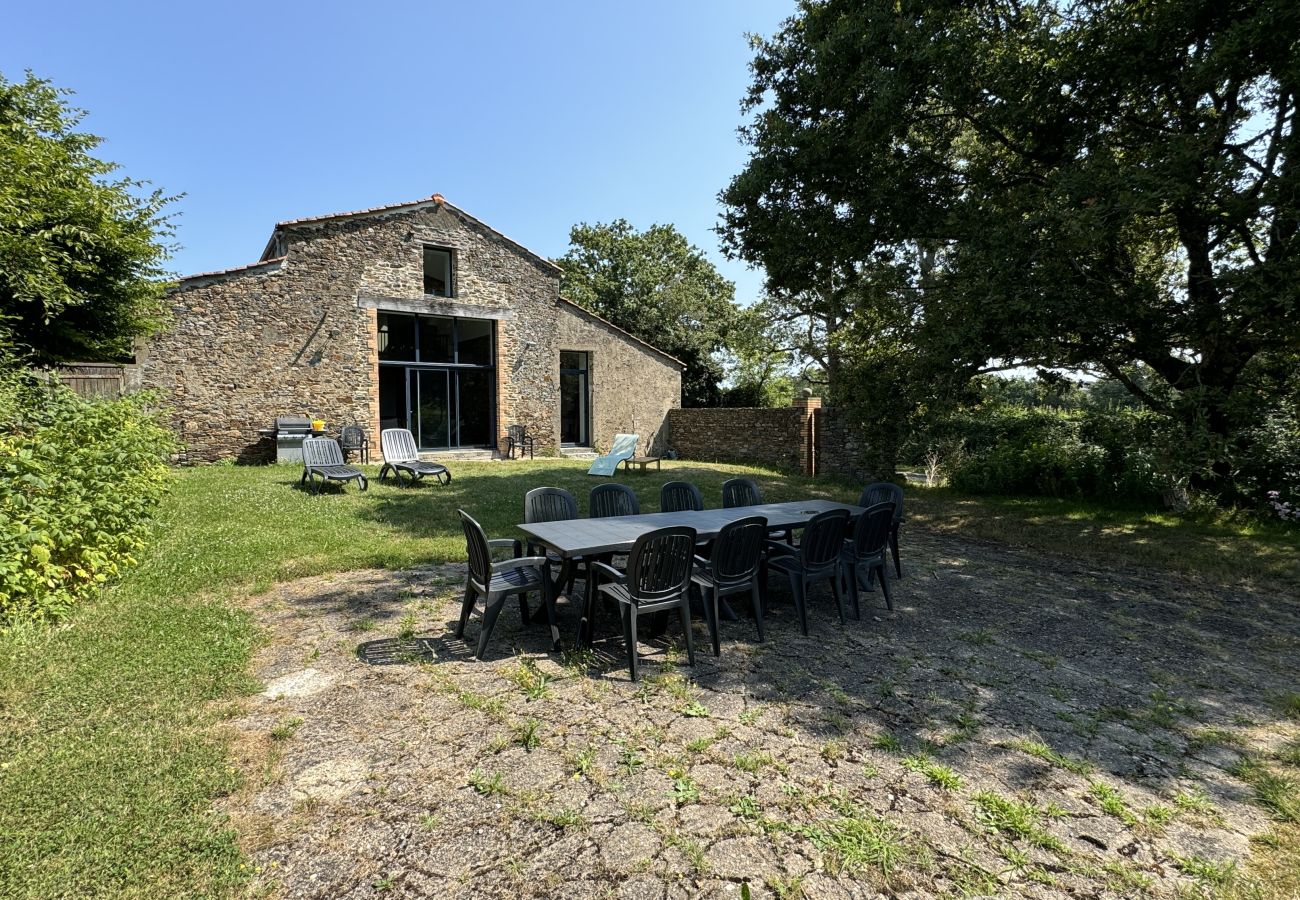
x: 624, y: 448
x: 323, y: 458
x: 401, y: 455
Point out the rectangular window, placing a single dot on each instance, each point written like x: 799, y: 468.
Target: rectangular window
x: 437, y: 272
x: 436, y: 340
x: 396, y: 336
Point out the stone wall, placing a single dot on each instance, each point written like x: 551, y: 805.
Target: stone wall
x: 633, y: 387
x: 296, y: 335
x: 804, y: 437
x: 840, y: 448
x: 764, y: 437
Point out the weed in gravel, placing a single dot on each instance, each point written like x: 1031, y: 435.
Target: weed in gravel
x: 631, y: 761
x: 366, y: 624
x: 285, y: 728
x: 752, y: 762
x: 472, y: 700
x: 1212, y: 737
x: 980, y: 637
x: 785, y: 888
x: 750, y: 716
x: 858, y: 840
x: 534, y: 683
x: 1289, y: 704
x: 1197, y: 803
x: 1157, y: 816
x: 691, y: 849
x: 745, y: 807
x: 430, y: 822
x: 566, y: 817
x: 580, y: 660
x: 695, y: 710
x: 406, y: 627
x: 937, y: 774
x: 1290, y: 753
x: 1014, y: 818
x: 526, y: 735
x: 1276, y: 793
x: 700, y: 744
x: 1047, y: 754
x: 1214, y: 874
x: 832, y: 750
x: 887, y: 742
x: 1112, y: 803
x: 486, y: 785
x: 685, y: 790
x: 584, y: 763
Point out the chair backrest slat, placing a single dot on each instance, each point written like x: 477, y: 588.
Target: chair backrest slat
x: 398, y: 446
x: 738, y: 550
x: 871, y: 533
x: 680, y: 496
x: 321, y: 451
x: 612, y: 500
x: 476, y: 548
x: 881, y: 491
x: 660, y: 564
x: 549, y: 504
x: 823, y: 539
x: 740, y: 492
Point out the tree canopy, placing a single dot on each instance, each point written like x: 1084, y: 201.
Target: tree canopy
x: 81, y: 254
x: 659, y: 287
x: 1093, y: 185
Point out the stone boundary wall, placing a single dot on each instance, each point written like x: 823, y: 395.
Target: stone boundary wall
x: 770, y: 437
x: 840, y: 450
x: 804, y: 437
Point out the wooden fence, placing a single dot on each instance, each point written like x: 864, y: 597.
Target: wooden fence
x: 93, y: 379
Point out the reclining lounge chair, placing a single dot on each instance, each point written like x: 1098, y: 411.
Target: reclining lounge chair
x: 401, y: 455
x: 624, y: 448
x: 323, y: 458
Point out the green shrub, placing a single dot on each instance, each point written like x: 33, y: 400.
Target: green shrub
x: 79, y: 480
x: 1009, y: 449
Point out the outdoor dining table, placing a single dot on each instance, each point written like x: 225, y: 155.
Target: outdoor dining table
x: 573, y: 538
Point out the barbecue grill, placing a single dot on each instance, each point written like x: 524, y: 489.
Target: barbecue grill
x: 289, y: 432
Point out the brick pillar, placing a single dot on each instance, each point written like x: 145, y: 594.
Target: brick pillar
x: 807, y: 408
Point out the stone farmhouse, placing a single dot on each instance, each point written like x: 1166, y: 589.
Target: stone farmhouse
x: 413, y: 315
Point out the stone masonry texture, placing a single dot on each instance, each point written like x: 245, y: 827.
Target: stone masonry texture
x: 295, y: 334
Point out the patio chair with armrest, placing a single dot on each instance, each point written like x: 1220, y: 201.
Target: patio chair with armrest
x: 658, y: 578
x: 518, y: 438
x: 624, y: 447
x: 816, y: 558
x: 402, y: 456
x: 322, y: 458
x: 868, y: 549
x: 680, y: 496
x: 733, y: 568
x: 879, y: 492
x: 553, y: 504
x: 352, y: 439
x: 613, y: 499
x: 495, y: 581
x: 743, y: 492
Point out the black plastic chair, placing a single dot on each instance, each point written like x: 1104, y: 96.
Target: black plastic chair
x: 732, y: 569
x: 495, y: 581
x: 658, y: 578
x: 869, y: 549
x: 817, y: 558
x: 518, y: 438
x: 740, y: 492
x: 353, y: 439
x: 680, y: 496
x: 880, y: 492
x: 612, y: 499
x: 552, y: 504
x: 743, y: 492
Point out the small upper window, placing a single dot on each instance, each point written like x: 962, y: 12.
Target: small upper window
x: 437, y: 272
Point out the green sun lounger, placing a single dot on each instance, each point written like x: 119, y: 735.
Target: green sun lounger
x: 624, y: 448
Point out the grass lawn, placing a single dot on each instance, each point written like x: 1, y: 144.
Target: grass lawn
x: 109, y: 758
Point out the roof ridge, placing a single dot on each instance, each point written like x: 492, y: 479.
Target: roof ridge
x: 216, y: 273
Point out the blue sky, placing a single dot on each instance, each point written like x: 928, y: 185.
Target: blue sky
x: 530, y: 116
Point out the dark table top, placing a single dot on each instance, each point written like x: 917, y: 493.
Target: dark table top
x: 582, y: 537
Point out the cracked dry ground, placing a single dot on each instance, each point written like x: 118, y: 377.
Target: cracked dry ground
x: 1020, y: 725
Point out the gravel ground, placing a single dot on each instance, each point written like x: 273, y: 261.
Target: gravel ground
x: 1020, y: 725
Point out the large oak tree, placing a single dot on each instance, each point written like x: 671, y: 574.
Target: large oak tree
x: 1096, y: 185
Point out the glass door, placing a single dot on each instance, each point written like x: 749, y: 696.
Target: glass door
x: 430, y: 408
x: 575, y: 411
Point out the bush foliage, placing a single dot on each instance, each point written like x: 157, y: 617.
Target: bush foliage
x: 79, y: 480
x: 1011, y: 449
